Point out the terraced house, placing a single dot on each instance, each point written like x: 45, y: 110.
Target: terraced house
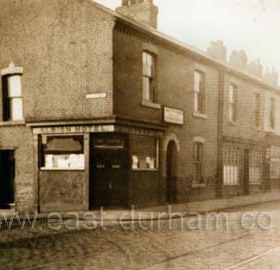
x: 98, y: 108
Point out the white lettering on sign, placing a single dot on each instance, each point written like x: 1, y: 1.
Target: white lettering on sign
x: 96, y: 95
x: 173, y: 116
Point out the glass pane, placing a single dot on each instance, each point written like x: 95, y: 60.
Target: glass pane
x: 144, y: 153
x: 63, y: 153
x: 146, y: 89
x: 14, y: 86
x: 197, y: 82
x: 16, y: 109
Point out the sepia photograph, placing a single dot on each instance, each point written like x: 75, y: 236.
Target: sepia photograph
x: 139, y: 135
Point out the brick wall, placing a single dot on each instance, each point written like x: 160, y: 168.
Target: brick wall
x: 65, y: 49
x: 175, y: 80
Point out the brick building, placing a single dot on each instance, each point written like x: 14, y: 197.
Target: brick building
x: 98, y: 108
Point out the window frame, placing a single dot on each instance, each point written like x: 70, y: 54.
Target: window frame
x: 149, y: 77
x: 257, y: 111
x: 272, y: 113
x: 198, y: 161
x: 199, y: 94
x: 42, y: 145
x: 7, y: 100
x: 232, y: 103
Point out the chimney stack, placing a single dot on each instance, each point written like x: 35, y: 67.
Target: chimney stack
x: 255, y: 68
x: 238, y: 59
x: 271, y: 76
x: 218, y: 50
x: 142, y: 10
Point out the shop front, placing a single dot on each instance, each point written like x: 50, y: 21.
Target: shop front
x: 81, y: 168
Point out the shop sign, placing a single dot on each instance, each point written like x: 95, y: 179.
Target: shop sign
x: 173, y: 116
x: 96, y: 95
x: 74, y: 129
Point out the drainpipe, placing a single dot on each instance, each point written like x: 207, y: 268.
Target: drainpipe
x: 220, y: 132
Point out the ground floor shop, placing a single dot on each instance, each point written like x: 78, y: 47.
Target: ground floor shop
x: 52, y: 168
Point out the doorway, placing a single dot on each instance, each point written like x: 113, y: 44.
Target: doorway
x: 108, y: 171
x: 171, y: 172
x: 246, y: 172
x: 7, y: 178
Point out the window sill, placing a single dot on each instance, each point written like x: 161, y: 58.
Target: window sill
x: 144, y: 170
x: 198, y: 185
x: 231, y: 185
x: 151, y: 105
x: 200, y: 115
x: 12, y: 123
x: 58, y: 169
x: 232, y: 123
x: 258, y: 129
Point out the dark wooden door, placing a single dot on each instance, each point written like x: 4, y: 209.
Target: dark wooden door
x: 246, y: 172
x: 109, y: 169
x: 171, y: 171
x: 7, y: 178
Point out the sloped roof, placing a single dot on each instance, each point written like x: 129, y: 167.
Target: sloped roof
x: 190, y: 49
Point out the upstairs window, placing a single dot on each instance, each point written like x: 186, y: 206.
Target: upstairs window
x: 232, y: 102
x: 148, y: 77
x: 198, y: 162
x: 199, y: 92
x: 12, y: 93
x: 272, y: 113
x: 257, y: 117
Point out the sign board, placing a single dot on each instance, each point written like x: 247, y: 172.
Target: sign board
x: 96, y: 95
x: 173, y: 116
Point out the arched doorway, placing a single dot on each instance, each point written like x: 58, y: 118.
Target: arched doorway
x: 171, y: 172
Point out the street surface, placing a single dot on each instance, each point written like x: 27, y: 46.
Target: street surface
x: 242, y: 239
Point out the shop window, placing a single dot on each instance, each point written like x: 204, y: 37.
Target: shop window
x: 255, y: 170
x: 144, y: 153
x: 199, y: 93
x: 12, y: 97
x: 232, y: 102
x: 198, y: 162
x: 63, y: 153
x: 148, y: 77
x: 231, y: 165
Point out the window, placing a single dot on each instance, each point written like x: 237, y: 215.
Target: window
x: 255, y: 169
x: 272, y: 113
x: 145, y: 152
x: 198, y: 92
x: 12, y: 97
x: 231, y: 164
x: 198, y: 162
x: 62, y: 153
x: 148, y: 77
x: 274, y: 161
x: 232, y: 94
x: 257, y: 110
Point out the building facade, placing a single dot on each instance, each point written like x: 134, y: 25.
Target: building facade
x: 101, y: 109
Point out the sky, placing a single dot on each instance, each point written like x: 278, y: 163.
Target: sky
x: 253, y: 25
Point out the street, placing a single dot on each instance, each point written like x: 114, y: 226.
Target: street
x: 244, y: 238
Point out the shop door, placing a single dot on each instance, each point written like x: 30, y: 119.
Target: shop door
x: 109, y: 169
x: 171, y: 169
x: 7, y: 177
x: 246, y: 173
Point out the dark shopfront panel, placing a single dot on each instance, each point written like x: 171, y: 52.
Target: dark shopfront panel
x: 109, y: 163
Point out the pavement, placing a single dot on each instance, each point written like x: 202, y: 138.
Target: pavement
x: 243, y: 238
x: 157, y: 212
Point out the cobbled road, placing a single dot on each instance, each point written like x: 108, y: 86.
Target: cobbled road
x: 243, y: 238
